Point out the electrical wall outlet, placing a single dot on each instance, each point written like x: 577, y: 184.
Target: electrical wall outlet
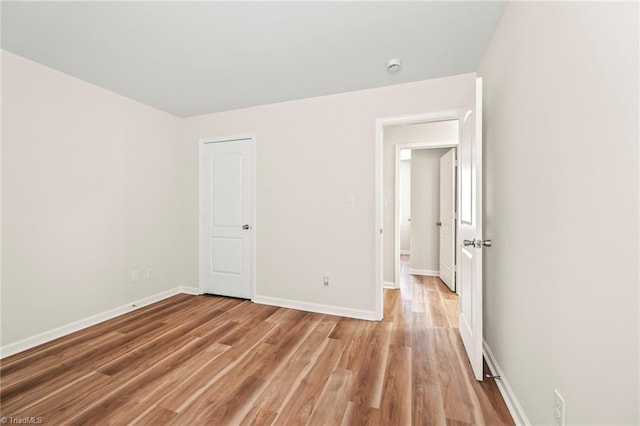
x: 149, y: 273
x: 135, y: 275
x: 325, y: 280
x: 350, y: 201
x: 558, y: 407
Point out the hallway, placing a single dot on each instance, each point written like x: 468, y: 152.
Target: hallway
x: 425, y: 316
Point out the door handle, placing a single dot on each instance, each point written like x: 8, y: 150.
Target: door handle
x: 438, y: 223
x: 246, y: 227
x: 477, y: 243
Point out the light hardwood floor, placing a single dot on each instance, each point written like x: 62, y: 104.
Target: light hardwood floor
x: 212, y: 360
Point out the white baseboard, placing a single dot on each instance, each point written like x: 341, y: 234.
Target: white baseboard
x: 314, y: 307
x: 425, y: 272
x: 195, y: 291
x: 405, y: 252
x: 510, y: 399
x: 47, y: 336
x: 388, y: 284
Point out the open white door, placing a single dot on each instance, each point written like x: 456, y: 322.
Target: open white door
x: 447, y: 218
x: 470, y: 233
x: 226, y: 204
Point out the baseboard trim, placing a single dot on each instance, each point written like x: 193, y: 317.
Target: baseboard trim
x: 47, y: 336
x: 315, y: 307
x: 195, y: 291
x: 425, y: 272
x: 510, y: 399
x: 387, y: 284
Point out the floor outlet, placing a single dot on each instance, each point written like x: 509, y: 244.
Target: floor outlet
x: 558, y: 407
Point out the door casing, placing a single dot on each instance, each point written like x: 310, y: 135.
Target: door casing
x: 201, y: 195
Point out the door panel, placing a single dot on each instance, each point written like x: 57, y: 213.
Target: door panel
x: 226, y: 207
x: 470, y: 227
x: 226, y: 188
x: 447, y: 218
x: 226, y: 255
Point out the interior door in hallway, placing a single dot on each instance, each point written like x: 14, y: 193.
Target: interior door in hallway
x: 226, y: 208
x: 469, y: 274
x: 447, y: 219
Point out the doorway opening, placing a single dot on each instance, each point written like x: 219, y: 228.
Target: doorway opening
x: 429, y: 133
x: 419, y: 200
x: 425, y: 208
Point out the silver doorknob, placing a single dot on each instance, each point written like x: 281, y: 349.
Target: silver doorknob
x: 477, y: 243
x: 438, y: 223
x: 245, y: 227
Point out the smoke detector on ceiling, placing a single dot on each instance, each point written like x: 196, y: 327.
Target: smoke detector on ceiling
x: 394, y: 65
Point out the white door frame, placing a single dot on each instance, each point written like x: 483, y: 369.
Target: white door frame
x: 396, y: 223
x: 380, y: 124
x: 201, y: 195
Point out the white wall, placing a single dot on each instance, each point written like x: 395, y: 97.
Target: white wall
x: 311, y: 155
x: 432, y: 132
x: 405, y: 206
x: 90, y: 191
x: 561, y: 198
x: 425, y: 210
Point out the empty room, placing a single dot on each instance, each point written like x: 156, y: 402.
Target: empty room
x: 320, y: 213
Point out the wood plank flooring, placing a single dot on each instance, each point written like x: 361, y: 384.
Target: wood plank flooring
x: 192, y: 360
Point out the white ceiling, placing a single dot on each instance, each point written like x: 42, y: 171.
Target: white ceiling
x: 191, y: 58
